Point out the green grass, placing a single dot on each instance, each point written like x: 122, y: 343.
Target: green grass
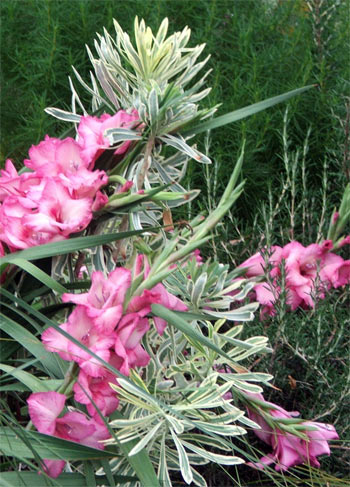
x: 256, y: 52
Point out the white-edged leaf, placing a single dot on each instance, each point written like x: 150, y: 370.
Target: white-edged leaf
x: 63, y: 115
x: 248, y: 422
x: 125, y: 423
x: 145, y: 440
x: 180, y: 144
x: 183, y: 459
x: 153, y: 107
x: 198, y: 479
x: 175, y: 424
x: 135, y: 391
x: 244, y: 386
x: 222, y: 429
x: 232, y: 332
x: 214, y: 441
x: 198, y: 289
x: 245, y: 313
x: 249, y: 376
x: 116, y: 135
x: 214, y: 457
x: 163, y: 473
x: 243, y: 292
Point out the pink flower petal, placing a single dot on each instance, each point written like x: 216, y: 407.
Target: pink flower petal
x: 74, y: 426
x: 53, y: 341
x: 44, y: 408
x: 53, y: 468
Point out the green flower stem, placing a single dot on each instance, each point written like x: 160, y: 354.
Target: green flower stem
x: 161, y: 271
x: 69, y: 379
x: 146, y: 162
x: 228, y: 198
x: 123, y: 199
x: 117, y: 179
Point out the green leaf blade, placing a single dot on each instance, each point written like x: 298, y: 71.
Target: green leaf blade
x: 244, y: 112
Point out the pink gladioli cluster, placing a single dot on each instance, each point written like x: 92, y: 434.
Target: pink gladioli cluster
x: 309, y: 273
x: 59, y: 195
x: 113, y: 333
x: 44, y: 409
x: 290, y: 450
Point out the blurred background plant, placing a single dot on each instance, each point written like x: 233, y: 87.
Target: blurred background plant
x: 296, y: 164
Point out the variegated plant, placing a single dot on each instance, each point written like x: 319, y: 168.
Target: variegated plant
x: 158, y: 76
x: 155, y: 78
x: 188, y: 388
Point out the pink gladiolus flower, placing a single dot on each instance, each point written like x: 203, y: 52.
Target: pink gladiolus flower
x: 54, y: 201
x: 84, y: 183
x: 335, y: 271
x: 160, y: 295
x: 318, y: 440
x: 15, y: 228
x: 55, y: 156
x: 14, y: 184
x: 101, y: 323
x: 256, y: 264
x: 53, y: 468
x: 105, y: 298
x: 335, y: 217
x: 55, y: 342
x: 10, y: 172
x: 91, y: 131
x: 326, y: 245
x: 129, y: 333
x: 305, y: 267
x: 168, y: 301
x: 301, y: 272
x: 126, y: 186
x: 104, y: 292
x: 83, y: 328
x: 266, y: 294
x: 58, y: 212
x: 290, y: 450
x: 142, y: 304
x: 99, y: 390
x: 345, y: 241
x: 44, y: 409
x: 100, y: 201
